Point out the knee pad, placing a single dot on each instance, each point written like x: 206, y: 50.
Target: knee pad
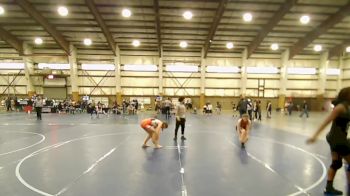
x: 336, y: 164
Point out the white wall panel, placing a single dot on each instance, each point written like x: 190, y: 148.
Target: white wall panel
x: 174, y: 55
x: 263, y: 63
x: 11, y: 72
x: 51, y: 59
x: 345, y: 83
x: 333, y: 64
x: 224, y: 55
x: 346, y: 63
x: 302, y: 84
x: 8, y: 79
x: 331, y: 84
x: 304, y: 63
x: 330, y: 94
x: 214, y: 92
x: 346, y: 73
x: 224, y: 61
x: 330, y: 77
x: 92, y: 81
x: 139, y: 60
x: 182, y: 92
x: 38, y: 80
x: 20, y: 80
x: 139, y: 82
x: 4, y: 80
x: 222, y: 92
x: 55, y: 82
x: 223, y: 75
x: 250, y: 76
x: 252, y: 93
x: 265, y: 56
x: 13, y: 90
x: 301, y: 93
x: 95, y: 73
x: 184, y: 59
x: 136, y: 54
x: 272, y: 84
x: 95, y: 91
x: 95, y: 58
x: 222, y: 83
x: 271, y: 93
x: 303, y: 77
x: 232, y: 92
x: 177, y: 82
x: 147, y: 74
x: 140, y: 91
x: 252, y: 83
x: 181, y: 74
x: 169, y: 91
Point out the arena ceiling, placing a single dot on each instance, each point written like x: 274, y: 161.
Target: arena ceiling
x: 160, y: 24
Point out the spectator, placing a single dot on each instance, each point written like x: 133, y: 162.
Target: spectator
x: 38, y: 104
x: 8, y: 104
x: 242, y: 107
x: 305, y: 110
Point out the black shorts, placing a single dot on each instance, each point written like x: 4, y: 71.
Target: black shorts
x: 342, y: 148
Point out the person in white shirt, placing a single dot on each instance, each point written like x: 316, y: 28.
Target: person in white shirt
x: 180, y: 113
x: 210, y: 108
x: 38, y: 104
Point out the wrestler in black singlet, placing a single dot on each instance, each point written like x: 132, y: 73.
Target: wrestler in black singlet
x: 336, y: 137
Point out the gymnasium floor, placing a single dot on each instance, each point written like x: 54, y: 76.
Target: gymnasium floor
x: 77, y: 155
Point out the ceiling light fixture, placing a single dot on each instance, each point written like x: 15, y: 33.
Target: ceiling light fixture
x: 87, y: 42
x: 183, y: 44
x: 63, y: 11
x: 187, y: 15
x: 347, y: 49
x: 304, y: 19
x: 317, y: 48
x: 247, y: 17
x: 2, y: 10
x: 136, y: 43
x: 274, y: 46
x: 229, y: 45
x: 126, y: 13
x: 38, y: 41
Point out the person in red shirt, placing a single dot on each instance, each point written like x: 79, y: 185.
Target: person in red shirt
x: 153, y: 127
x: 243, y: 128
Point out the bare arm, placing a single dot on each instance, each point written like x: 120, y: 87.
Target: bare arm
x: 248, y: 126
x: 159, y: 127
x: 337, y: 110
x: 238, y: 126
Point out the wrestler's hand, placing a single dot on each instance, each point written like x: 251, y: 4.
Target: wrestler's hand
x: 311, y: 140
